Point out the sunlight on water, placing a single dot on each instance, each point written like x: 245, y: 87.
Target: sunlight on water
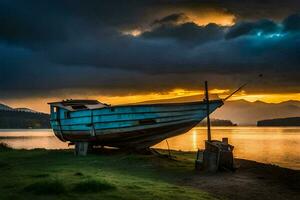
x: 31, y: 138
x: 276, y: 145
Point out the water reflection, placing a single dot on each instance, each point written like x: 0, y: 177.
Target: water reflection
x: 195, y: 141
x: 277, y: 145
x: 31, y: 138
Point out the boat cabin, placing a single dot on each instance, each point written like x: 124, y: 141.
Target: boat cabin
x: 74, y: 105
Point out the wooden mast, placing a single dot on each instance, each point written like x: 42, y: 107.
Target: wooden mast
x: 207, y: 112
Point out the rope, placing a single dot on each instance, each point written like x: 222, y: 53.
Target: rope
x: 168, y: 148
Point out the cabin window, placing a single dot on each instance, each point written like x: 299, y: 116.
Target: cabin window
x: 53, y: 111
x: 67, y: 115
x: 79, y: 107
x: 147, y: 121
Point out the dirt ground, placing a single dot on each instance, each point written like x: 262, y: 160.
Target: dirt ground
x: 252, y: 180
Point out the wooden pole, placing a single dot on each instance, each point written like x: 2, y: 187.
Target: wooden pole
x: 207, y: 112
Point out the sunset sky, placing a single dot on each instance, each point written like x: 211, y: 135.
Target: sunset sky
x: 129, y: 51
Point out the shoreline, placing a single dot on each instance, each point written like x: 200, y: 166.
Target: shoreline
x: 197, y: 126
x: 252, y: 180
x: 160, y: 149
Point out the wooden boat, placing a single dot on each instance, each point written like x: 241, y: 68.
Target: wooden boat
x: 125, y: 126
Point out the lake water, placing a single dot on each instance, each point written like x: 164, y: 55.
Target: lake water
x: 276, y: 145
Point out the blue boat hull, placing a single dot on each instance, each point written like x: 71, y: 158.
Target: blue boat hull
x: 132, y: 126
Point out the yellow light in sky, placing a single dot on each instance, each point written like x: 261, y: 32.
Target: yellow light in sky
x: 148, y: 97
x: 219, y: 91
x: 268, y: 98
x: 182, y: 92
x: 201, y: 18
x: 40, y: 104
x: 222, y: 19
x: 134, y: 32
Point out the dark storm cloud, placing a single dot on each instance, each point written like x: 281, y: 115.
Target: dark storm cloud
x: 30, y: 22
x: 188, y: 32
x: 260, y: 9
x: 246, y: 28
x: 156, y: 52
x: 51, y: 46
x: 171, y: 19
x: 292, y: 23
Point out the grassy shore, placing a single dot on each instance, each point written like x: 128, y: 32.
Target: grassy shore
x: 58, y: 174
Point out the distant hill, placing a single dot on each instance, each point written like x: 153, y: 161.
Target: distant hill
x: 244, y: 112
x: 248, y: 113
x: 5, y: 107
x: 22, y: 118
x: 25, y: 110
x: 291, y: 121
x: 218, y: 122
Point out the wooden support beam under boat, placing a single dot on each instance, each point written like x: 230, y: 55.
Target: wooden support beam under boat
x: 81, y: 148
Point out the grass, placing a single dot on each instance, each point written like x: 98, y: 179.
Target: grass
x: 78, y: 174
x: 40, y: 175
x: 48, y: 187
x: 90, y: 186
x: 58, y: 174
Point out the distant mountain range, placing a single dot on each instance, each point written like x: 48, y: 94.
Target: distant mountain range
x: 238, y: 112
x: 5, y: 107
x: 248, y: 113
x: 22, y: 118
x: 290, y: 121
x: 244, y: 112
x: 8, y: 108
x: 217, y: 122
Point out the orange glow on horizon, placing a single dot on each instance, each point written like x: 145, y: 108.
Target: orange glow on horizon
x: 268, y: 98
x: 40, y: 104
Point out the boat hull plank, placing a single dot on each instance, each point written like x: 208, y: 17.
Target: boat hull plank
x: 123, y: 124
x: 132, y: 126
x: 138, y: 139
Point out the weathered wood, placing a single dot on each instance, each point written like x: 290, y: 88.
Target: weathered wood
x: 81, y: 148
x: 210, y: 161
x: 199, y: 160
x: 128, y: 126
x: 217, y: 156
